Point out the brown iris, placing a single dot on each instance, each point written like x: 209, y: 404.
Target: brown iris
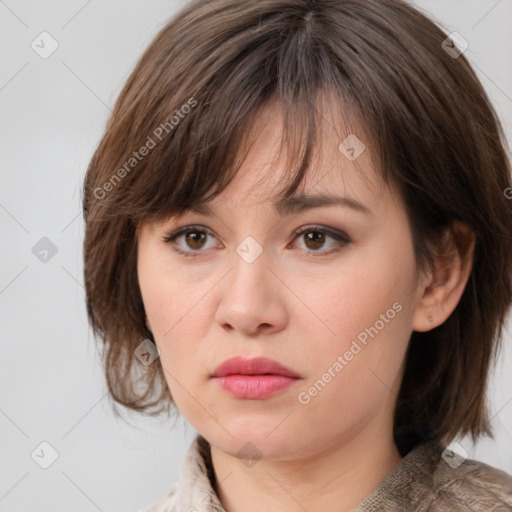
x: 316, y: 238
x: 195, y: 239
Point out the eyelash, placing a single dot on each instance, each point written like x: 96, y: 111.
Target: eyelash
x: 339, y: 237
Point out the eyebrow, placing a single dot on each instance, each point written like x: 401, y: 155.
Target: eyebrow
x: 300, y: 203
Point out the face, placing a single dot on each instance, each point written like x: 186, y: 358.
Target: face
x: 329, y: 292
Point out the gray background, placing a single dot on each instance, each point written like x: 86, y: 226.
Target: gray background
x: 51, y: 383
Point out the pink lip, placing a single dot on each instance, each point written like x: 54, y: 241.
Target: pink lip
x: 256, y: 378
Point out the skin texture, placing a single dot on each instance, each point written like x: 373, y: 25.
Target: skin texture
x: 303, y: 306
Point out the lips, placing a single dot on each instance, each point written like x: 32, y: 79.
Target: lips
x: 255, y: 366
x: 254, y: 379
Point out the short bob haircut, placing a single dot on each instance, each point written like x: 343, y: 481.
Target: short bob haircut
x: 183, y: 116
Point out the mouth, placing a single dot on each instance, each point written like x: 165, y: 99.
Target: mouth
x: 257, y: 378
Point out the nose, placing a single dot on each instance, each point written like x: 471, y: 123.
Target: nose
x: 252, y: 299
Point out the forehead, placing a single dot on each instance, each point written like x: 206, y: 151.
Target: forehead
x: 342, y: 165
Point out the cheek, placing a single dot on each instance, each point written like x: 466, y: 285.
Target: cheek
x: 178, y: 312
x: 351, y: 297
x: 366, y: 311
x: 349, y: 381
x: 168, y: 295
x: 176, y: 320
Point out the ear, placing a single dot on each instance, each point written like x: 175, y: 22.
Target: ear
x: 148, y: 326
x: 442, y: 289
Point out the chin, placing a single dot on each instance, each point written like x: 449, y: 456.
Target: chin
x: 254, y: 442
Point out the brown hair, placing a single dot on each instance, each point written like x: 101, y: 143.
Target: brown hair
x: 436, y: 138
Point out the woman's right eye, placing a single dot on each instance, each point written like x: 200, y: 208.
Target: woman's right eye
x: 195, y: 238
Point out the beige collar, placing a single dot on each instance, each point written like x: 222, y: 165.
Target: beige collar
x: 422, y: 481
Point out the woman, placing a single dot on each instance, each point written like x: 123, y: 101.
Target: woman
x: 298, y: 237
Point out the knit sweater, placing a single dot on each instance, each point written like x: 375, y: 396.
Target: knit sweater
x: 425, y: 480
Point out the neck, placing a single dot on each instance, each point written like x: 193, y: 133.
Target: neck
x: 336, y: 479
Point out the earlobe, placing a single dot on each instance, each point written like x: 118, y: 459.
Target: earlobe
x: 441, y: 291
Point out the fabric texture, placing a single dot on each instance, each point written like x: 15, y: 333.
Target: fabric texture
x: 423, y: 481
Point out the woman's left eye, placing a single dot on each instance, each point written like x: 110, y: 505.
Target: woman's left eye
x: 313, y: 237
